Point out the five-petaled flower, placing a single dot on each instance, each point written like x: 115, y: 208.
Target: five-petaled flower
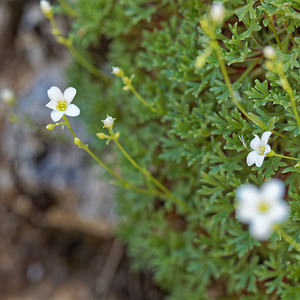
x: 60, y: 103
x: 260, y: 149
x: 262, y: 208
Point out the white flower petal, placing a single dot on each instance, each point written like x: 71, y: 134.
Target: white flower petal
x: 72, y: 110
x: 56, y: 115
x: 267, y: 149
x: 248, y: 197
x: 272, y: 190
x: 245, y: 213
x: 252, y: 158
x: 52, y: 105
x: 248, y: 193
x: 265, y: 137
x: 259, y: 160
x: 255, y: 143
x: 261, y: 228
x: 279, y: 212
x: 69, y: 94
x: 55, y: 94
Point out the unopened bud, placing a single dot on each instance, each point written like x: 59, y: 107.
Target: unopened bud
x: 109, y: 122
x: 101, y: 135
x: 217, y: 12
x: 200, y: 61
x: 50, y: 127
x: 117, y: 71
x: 78, y: 142
x: 8, y: 96
x: 269, y: 52
x: 46, y: 8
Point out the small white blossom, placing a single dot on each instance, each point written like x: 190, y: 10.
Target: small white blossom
x: 217, y: 12
x: 262, y: 208
x: 8, y: 96
x: 117, y: 71
x: 60, y: 103
x: 46, y: 7
x: 260, y: 149
x: 109, y: 122
x: 269, y: 52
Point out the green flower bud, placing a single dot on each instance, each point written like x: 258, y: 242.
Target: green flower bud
x: 50, y: 127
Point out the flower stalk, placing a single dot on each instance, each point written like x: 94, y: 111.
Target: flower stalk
x: 276, y: 66
x: 128, y: 86
x: 67, y: 42
x: 68, y: 8
x: 287, y: 87
x: 120, y: 179
x: 272, y: 153
x: 145, y: 172
x: 211, y: 32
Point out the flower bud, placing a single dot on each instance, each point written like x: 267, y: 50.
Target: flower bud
x: 46, y: 8
x: 269, y: 52
x: 78, y: 142
x: 8, y: 96
x: 50, y: 127
x: 200, y: 61
x: 101, y: 135
x: 217, y: 12
x: 117, y: 71
x: 109, y: 122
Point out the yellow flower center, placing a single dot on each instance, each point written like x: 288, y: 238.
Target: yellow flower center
x: 263, y: 207
x: 262, y: 150
x: 61, y: 105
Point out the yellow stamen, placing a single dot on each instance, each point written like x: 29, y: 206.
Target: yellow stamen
x: 61, y: 105
x: 262, y: 150
x: 263, y: 207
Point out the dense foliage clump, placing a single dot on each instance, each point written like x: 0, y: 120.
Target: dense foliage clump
x: 193, y: 142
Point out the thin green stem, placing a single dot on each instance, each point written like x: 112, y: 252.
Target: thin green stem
x: 76, y: 55
x: 271, y: 25
x: 140, y: 98
x: 249, y: 69
x: 148, y: 175
x: 290, y: 35
x: 67, y: 8
x: 124, y: 182
x: 69, y: 126
x: 255, y: 120
x: 287, y: 238
x: 257, y: 40
x: 287, y: 157
x: 287, y: 87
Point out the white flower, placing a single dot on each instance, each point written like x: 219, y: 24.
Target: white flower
x: 261, y: 148
x: 262, y: 208
x: 269, y: 52
x: 60, y: 103
x: 8, y: 96
x: 117, y: 71
x: 217, y: 12
x: 46, y: 7
x: 109, y: 122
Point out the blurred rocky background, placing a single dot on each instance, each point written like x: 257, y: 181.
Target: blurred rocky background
x: 56, y: 214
